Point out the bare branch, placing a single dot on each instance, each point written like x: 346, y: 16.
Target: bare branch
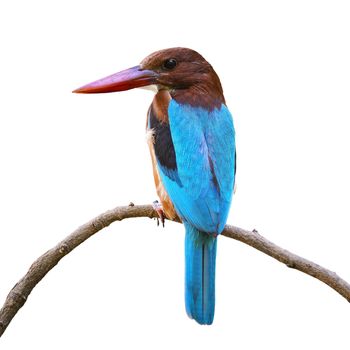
x: 20, y: 292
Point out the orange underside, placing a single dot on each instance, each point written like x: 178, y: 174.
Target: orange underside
x: 168, y: 206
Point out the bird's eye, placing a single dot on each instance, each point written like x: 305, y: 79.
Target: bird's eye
x: 170, y: 63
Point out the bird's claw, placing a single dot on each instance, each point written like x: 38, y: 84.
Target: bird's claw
x: 159, y: 209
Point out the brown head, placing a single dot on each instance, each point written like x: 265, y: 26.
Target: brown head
x: 183, y: 72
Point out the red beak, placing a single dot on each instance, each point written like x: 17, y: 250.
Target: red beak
x: 125, y: 80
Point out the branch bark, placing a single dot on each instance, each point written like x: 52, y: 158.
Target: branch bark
x: 20, y: 292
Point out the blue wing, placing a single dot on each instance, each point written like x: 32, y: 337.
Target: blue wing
x: 201, y: 185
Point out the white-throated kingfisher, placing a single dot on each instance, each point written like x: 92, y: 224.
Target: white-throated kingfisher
x: 192, y: 145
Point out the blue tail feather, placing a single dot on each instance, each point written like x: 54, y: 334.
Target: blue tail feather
x: 200, y: 253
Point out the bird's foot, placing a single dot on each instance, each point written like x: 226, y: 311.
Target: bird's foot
x: 159, y: 209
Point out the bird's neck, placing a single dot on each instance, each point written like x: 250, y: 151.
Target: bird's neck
x: 198, y: 97
x: 205, y: 93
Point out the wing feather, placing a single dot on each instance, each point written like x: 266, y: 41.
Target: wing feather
x: 204, y: 144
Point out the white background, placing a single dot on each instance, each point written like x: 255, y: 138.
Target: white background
x: 66, y: 158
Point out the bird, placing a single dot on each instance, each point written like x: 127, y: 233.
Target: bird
x: 191, y: 137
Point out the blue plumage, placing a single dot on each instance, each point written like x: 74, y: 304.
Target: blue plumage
x: 200, y: 255
x: 204, y: 145
x: 201, y: 191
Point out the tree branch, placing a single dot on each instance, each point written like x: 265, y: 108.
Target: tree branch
x: 20, y: 292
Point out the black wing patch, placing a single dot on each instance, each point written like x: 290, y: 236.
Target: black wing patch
x: 163, y: 146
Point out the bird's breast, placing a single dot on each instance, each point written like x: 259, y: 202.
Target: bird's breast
x: 160, y: 145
